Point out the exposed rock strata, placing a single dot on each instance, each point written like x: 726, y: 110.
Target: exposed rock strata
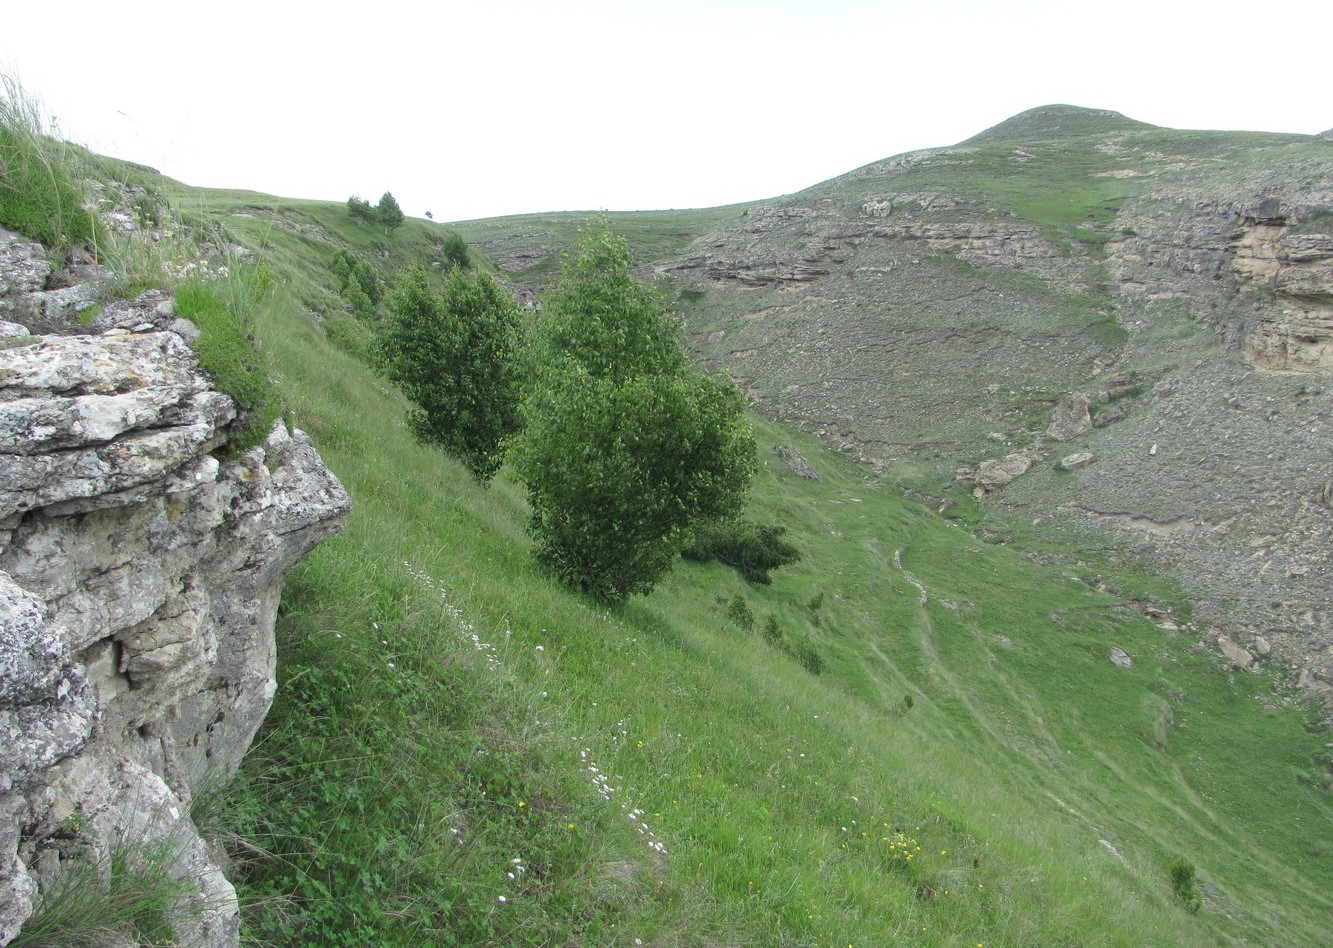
x: 139, y: 581
x: 1194, y: 305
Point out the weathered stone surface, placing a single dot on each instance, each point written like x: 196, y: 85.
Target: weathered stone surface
x: 1120, y: 657
x: 139, y: 580
x: 1238, y: 656
x: 1073, y: 462
x: 994, y: 474
x: 24, y: 268
x: 797, y: 462
x: 1072, y: 418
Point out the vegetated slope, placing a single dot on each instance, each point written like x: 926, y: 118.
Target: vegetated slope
x: 969, y: 765
x: 928, y: 312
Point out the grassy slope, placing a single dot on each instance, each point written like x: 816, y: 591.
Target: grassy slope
x: 394, y: 797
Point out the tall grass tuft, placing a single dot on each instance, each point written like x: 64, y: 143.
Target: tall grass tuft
x: 39, y: 196
x: 223, y: 309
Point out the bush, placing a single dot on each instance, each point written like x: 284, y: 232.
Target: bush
x: 739, y: 612
x: 455, y: 251
x: 358, y: 284
x: 455, y: 354
x: 624, y: 446
x: 360, y: 209
x: 1183, y: 883
x: 751, y: 549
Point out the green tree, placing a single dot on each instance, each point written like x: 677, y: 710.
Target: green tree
x: 455, y: 251
x: 624, y: 445
x: 387, y: 211
x: 360, y: 209
x: 455, y: 354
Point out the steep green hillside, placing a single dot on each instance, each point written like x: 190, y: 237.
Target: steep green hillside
x: 918, y: 736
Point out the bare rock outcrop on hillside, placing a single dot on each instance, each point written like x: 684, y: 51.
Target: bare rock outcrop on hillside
x: 139, y: 581
x: 1191, y: 300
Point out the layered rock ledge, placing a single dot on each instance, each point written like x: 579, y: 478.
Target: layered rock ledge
x: 139, y: 583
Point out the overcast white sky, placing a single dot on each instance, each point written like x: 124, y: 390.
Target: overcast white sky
x: 494, y: 107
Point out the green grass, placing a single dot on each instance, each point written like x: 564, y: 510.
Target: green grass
x: 38, y: 194
x: 1021, y: 747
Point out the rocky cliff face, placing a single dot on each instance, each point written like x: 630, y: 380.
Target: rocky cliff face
x: 139, y: 580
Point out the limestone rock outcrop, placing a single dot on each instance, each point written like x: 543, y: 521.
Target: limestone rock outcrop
x: 994, y: 474
x: 1072, y: 418
x: 1295, y: 333
x: 139, y: 582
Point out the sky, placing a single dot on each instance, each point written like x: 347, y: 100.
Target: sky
x: 497, y: 107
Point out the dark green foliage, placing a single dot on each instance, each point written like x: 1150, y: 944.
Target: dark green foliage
x: 360, y: 209
x: 37, y: 197
x: 358, y: 283
x: 1183, y: 883
x: 387, y: 211
x: 625, y: 447
x: 752, y: 549
x: 803, y: 650
x: 455, y: 251
x: 739, y: 612
x: 455, y: 354
x: 772, y: 631
x: 226, y: 349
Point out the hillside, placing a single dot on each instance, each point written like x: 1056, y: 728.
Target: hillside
x: 920, y: 733
x: 930, y: 312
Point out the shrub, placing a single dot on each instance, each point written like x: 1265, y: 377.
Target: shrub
x: 803, y: 650
x: 624, y: 446
x: 360, y: 209
x: 455, y: 251
x: 1183, y: 883
x: 772, y: 631
x: 739, y: 612
x: 455, y: 354
x: 751, y: 549
x: 358, y: 284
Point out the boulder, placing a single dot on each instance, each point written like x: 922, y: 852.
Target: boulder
x: 1237, y: 656
x: 797, y: 462
x: 1075, y: 461
x: 1072, y: 418
x: 994, y: 474
x: 1120, y: 657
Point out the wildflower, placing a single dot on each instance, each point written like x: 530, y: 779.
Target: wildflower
x: 501, y: 898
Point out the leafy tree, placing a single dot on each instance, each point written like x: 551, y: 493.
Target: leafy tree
x: 624, y: 445
x: 455, y: 251
x: 456, y: 355
x: 358, y: 283
x: 387, y: 211
x: 360, y: 209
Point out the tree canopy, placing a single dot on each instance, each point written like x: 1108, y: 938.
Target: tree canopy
x: 624, y: 444
x: 455, y: 354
